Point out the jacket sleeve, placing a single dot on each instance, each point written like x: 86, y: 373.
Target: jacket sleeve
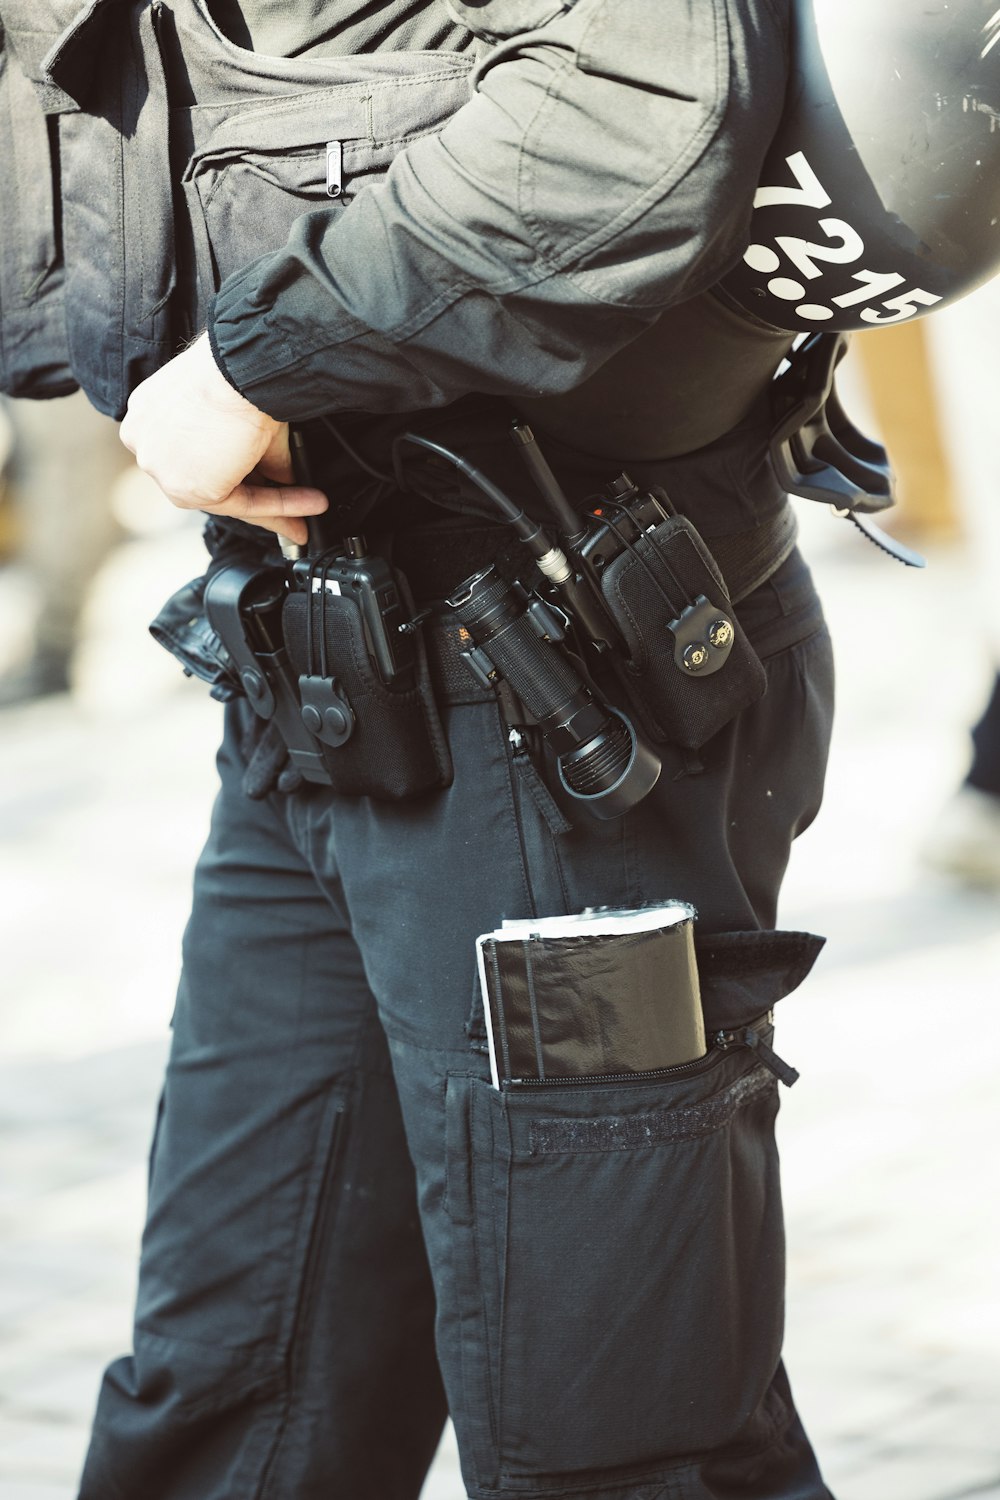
x: 602, y: 170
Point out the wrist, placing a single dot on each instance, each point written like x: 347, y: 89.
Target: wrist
x: 213, y: 385
x: 219, y: 359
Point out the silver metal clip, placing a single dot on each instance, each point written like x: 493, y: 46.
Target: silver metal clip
x: 334, y: 168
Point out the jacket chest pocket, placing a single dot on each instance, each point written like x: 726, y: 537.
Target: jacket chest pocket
x: 258, y: 169
x: 495, y: 20
x: 253, y: 170
x: 164, y: 194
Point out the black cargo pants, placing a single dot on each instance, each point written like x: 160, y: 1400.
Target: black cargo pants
x: 341, y: 1206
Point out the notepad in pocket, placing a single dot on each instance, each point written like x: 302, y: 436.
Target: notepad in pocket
x: 602, y: 994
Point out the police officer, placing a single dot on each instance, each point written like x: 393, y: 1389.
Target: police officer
x: 342, y: 1243
x: 522, y: 206
x: 518, y: 206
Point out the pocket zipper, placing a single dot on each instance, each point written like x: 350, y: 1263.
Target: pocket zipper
x: 725, y: 1041
x: 719, y: 1043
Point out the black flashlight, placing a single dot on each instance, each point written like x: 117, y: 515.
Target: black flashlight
x: 600, y: 758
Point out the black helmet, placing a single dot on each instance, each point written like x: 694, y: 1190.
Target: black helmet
x: 880, y: 195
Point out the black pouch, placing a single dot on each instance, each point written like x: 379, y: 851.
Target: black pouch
x: 690, y: 668
x: 396, y: 746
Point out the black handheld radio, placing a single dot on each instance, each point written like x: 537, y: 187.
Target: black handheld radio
x: 357, y: 574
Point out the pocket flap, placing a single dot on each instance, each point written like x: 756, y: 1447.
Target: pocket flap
x: 743, y: 974
x: 89, y: 35
x: 502, y: 18
x: 327, y: 114
x: 29, y: 29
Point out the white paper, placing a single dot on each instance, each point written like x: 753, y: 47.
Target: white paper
x: 598, y: 922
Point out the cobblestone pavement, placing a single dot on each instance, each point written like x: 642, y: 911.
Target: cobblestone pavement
x: 888, y: 1141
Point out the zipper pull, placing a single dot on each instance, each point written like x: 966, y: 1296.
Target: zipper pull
x: 750, y: 1038
x: 334, y: 168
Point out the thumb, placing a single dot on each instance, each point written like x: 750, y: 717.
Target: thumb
x: 276, y: 461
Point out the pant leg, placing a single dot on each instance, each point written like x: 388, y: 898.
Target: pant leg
x: 283, y: 1338
x: 609, y: 1322
x: 281, y: 1303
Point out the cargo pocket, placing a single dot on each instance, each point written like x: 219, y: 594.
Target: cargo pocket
x: 34, y: 359
x: 620, y: 1267
x: 117, y: 201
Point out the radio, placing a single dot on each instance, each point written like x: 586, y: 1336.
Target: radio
x: 368, y: 580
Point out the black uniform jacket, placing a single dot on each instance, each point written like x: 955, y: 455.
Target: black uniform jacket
x: 601, y: 172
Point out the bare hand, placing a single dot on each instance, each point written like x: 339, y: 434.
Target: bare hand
x: 201, y: 441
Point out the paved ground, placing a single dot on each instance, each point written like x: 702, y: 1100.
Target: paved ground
x: 888, y: 1141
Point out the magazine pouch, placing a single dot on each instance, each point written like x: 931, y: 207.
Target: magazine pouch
x: 689, y: 667
x: 618, y: 1257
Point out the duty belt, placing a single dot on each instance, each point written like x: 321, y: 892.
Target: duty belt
x: 434, y: 559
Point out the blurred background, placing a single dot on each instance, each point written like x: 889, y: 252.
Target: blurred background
x: 889, y: 1141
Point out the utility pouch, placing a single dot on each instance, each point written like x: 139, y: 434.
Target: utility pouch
x: 690, y: 667
x: 378, y: 738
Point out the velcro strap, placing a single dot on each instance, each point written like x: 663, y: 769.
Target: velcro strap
x: 446, y: 638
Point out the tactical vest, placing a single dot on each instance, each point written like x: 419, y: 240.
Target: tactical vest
x: 144, y: 157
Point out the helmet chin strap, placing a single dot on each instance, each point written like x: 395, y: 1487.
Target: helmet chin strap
x: 818, y: 452
x: 883, y: 540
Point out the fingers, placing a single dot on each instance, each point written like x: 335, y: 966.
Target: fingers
x: 287, y: 526
x: 197, y: 437
x: 277, y: 508
x: 248, y: 501
x: 276, y: 464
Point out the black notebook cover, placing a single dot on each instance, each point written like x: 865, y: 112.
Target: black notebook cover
x: 596, y: 995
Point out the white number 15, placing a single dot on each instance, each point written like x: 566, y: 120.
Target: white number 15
x: 902, y: 307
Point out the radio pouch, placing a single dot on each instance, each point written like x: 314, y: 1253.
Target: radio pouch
x: 689, y: 667
x: 377, y: 739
